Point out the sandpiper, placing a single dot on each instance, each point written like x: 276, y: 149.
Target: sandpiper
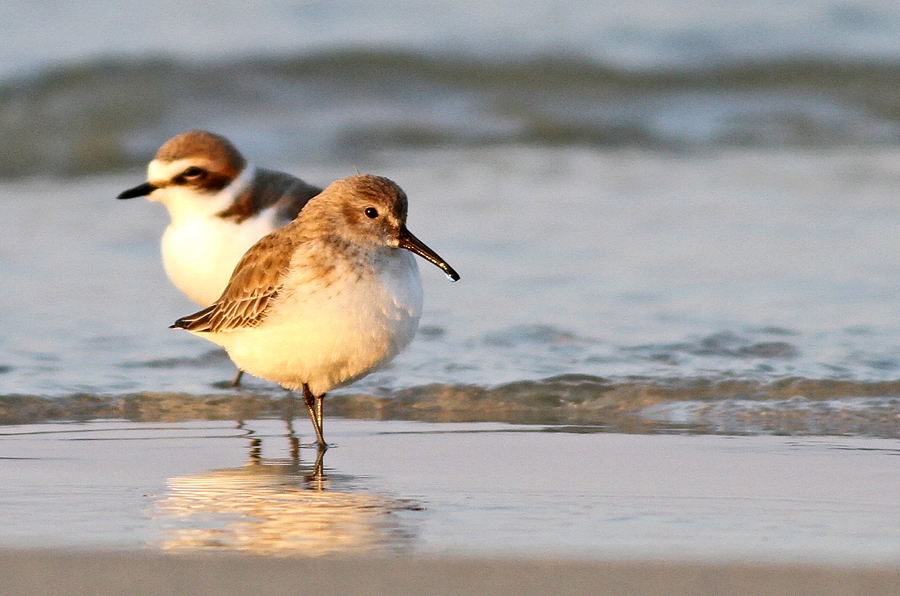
x: 219, y: 205
x: 326, y: 299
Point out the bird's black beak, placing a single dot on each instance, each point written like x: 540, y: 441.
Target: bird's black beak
x: 141, y: 190
x: 414, y: 245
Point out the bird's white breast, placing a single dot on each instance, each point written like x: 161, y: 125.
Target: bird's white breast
x: 200, y: 253
x: 199, y: 248
x: 330, y: 332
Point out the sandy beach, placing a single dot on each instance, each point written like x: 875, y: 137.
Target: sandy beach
x: 45, y: 573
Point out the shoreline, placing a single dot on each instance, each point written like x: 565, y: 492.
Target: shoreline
x: 791, y: 406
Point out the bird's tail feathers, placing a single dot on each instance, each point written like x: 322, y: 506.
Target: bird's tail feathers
x: 199, y: 321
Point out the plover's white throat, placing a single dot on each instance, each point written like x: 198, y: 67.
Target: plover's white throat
x: 326, y: 299
x: 219, y: 206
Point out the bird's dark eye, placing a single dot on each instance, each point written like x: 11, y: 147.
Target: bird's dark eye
x: 371, y: 212
x: 193, y: 173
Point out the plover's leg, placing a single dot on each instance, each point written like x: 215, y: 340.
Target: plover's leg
x: 237, y: 378
x: 314, y: 406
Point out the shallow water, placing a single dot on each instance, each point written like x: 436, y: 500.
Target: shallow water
x: 439, y: 489
x: 740, y: 291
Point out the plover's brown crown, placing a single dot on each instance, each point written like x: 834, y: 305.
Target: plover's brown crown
x: 214, y: 152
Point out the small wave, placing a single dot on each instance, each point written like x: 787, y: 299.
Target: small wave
x: 209, y: 358
x: 871, y: 416
x: 533, y: 335
x: 715, y: 406
x: 108, y: 115
x: 431, y: 332
x: 144, y: 407
x: 726, y: 344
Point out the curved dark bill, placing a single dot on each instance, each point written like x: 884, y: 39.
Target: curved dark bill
x: 141, y: 190
x: 414, y: 245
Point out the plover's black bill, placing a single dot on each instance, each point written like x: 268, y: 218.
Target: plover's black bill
x: 141, y: 190
x: 414, y: 245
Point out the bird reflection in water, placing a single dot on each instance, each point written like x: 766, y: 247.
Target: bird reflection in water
x: 280, y: 506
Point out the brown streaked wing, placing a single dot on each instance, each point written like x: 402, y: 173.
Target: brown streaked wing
x: 256, y: 280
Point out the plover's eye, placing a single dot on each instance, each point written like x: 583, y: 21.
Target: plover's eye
x: 193, y: 173
x: 371, y: 212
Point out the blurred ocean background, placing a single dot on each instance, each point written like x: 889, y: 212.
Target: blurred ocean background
x: 666, y: 215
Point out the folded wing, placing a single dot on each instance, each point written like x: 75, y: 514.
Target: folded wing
x: 254, y: 285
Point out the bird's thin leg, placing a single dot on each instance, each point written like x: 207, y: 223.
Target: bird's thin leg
x: 315, y: 410
x: 318, y: 474
x: 320, y: 416
x: 310, y: 401
x: 237, y: 378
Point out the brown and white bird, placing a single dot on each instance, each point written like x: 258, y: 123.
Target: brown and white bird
x: 219, y: 206
x: 326, y: 299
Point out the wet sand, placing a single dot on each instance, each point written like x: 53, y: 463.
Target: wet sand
x: 36, y: 573
x: 460, y: 489
x: 218, y: 507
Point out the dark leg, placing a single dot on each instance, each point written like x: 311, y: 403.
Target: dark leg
x: 318, y: 473
x: 319, y: 415
x: 255, y: 450
x: 237, y: 378
x: 314, y: 406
